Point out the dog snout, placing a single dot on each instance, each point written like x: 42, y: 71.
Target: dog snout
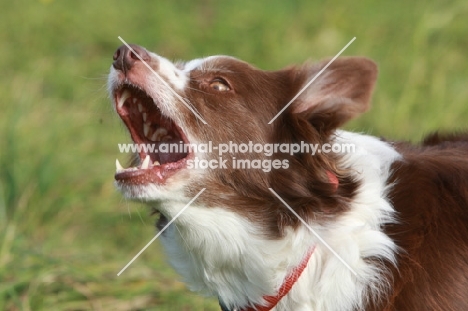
x: 126, y: 56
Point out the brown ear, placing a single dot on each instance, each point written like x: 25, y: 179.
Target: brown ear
x: 339, y: 94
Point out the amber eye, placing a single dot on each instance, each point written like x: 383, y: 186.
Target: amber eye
x: 220, y: 85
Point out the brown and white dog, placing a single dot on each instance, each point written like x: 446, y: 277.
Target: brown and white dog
x: 385, y: 226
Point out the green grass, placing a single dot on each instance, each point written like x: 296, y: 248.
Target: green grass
x: 64, y: 230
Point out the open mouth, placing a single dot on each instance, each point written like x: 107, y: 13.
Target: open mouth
x: 149, y: 129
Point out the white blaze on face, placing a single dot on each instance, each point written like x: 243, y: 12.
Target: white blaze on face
x: 170, y: 73
x: 193, y: 64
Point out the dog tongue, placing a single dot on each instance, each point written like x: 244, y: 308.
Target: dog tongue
x: 167, y: 157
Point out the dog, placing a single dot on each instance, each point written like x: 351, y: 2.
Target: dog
x: 384, y: 227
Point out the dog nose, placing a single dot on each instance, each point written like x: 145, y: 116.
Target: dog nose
x: 125, y: 58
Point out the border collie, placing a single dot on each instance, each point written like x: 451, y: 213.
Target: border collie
x: 381, y: 227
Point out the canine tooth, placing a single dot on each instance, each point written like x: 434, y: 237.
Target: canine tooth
x: 154, y: 137
x: 140, y: 107
x: 146, y: 128
x: 156, y: 163
x: 125, y: 95
x: 145, y: 115
x: 118, y: 166
x: 134, y: 100
x: 146, y: 162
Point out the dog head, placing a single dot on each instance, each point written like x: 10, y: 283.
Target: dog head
x: 222, y: 100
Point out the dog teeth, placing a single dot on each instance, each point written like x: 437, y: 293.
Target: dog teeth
x: 140, y: 107
x: 134, y: 100
x: 146, y: 128
x: 145, y: 115
x: 159, y: 134
x: 146, y: 162
x: 125, y: 95
x: 156, y: 163
x: 118, y: 167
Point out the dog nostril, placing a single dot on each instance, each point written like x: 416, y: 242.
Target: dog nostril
x: 116, y: 54
x: 134, y: 56
x: 126, y: 56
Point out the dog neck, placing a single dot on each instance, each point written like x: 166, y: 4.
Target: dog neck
x: 204, y: 241
x: 288, y: 283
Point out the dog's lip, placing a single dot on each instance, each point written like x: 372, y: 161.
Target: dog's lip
x: 153, y: 171
x: 155, y: 174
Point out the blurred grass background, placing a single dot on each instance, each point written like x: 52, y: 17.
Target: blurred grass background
x: 64, y: 230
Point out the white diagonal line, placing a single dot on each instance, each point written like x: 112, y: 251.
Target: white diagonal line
x: 160, y: 232
x: 164, y: 82
x: 310, y: 82
x: 313, y: 232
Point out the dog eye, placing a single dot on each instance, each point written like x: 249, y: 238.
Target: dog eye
x: 219, y: 85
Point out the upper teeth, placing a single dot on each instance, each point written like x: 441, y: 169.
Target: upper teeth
x: 146, y: 128
x: 159, y: 134
x: 125, y: 95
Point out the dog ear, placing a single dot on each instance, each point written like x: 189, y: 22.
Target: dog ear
x: 341, y: 92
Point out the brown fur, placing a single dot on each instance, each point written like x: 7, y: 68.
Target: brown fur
x: 430, y: 195
x: 255, y: 98
x: 429, y: 184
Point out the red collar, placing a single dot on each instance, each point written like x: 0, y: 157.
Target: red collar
x: 272, y: 301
